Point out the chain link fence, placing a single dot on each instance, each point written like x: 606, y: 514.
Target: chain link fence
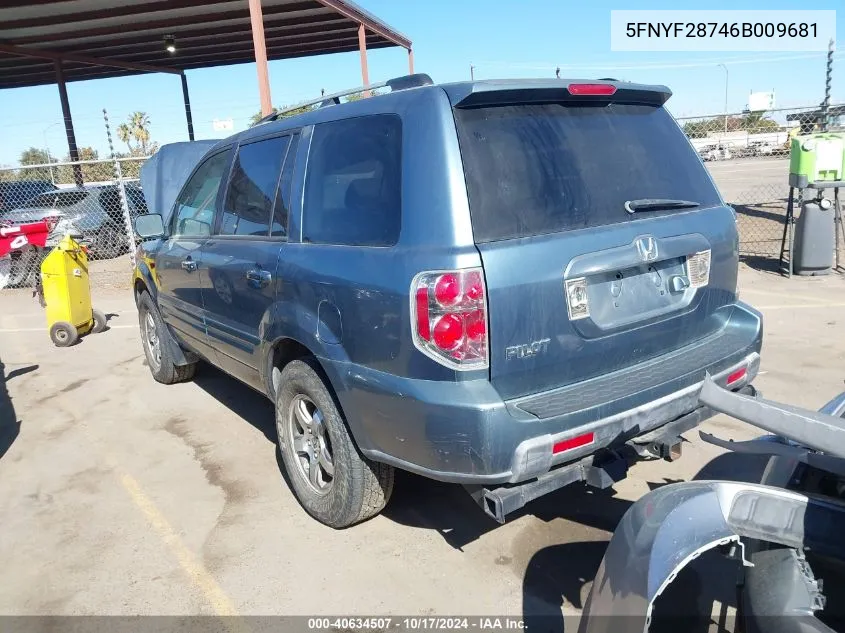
x: 747, y: 154
x: 83, y: 198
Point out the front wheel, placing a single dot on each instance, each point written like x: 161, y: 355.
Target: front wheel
x: 331, y: 479
x: 156, y: 349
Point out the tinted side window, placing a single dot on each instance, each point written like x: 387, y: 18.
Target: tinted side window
x: 281, y: 209
x: 252, y: 187
x: 194, y: 210
x: 112, y: 204
x: 353, y: 185
x: 110, y: 201
x: 59, y: 200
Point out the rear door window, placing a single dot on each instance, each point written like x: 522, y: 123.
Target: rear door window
x: 252, y: 187
x: 537, y: 169
x: 353, y: 182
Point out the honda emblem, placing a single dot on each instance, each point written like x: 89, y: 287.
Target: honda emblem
x: 647, y: 248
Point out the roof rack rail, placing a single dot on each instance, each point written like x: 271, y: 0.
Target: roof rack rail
x: 397, y: 83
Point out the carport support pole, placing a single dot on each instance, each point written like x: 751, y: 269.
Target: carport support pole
x: 362, y: 47
x: 187, y: 99
x: 71, y: 137
x: 256, y: 17
x: 410, y: 61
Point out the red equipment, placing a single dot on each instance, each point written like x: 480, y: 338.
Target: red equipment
x: 16, y: 237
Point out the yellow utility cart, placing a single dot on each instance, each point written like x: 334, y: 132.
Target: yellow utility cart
x: 67, y: 294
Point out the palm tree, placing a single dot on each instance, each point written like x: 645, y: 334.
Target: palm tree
x: 124, y: 133
x: 139, y: 123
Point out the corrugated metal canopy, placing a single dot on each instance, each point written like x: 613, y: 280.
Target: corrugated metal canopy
x: 206, y: 34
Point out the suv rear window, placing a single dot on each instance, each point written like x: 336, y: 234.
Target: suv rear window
x: 62, y: 200
x: 536, y: 169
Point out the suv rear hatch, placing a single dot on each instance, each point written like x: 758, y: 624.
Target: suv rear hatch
x: 603, y: 239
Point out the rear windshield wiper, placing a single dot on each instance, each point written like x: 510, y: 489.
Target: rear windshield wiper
x: 654, y: 204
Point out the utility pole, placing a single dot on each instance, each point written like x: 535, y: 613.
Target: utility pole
x: 47, y: 148
x: 828, y: 77
x: 472, y: 72
x: 725, y: 68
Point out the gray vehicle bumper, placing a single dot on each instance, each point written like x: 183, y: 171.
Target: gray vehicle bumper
x: 463, y: 432
x: 671, y: 526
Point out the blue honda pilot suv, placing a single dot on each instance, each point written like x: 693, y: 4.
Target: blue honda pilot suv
x: 511, y: 285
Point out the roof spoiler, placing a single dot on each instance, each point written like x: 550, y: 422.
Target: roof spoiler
x: 507, y: 93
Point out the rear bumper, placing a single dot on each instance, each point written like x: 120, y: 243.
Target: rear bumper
x: 463, y: 432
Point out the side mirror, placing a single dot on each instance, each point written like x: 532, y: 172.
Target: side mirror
x: 149, y: 226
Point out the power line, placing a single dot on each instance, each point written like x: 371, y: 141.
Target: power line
x: 656, y: 65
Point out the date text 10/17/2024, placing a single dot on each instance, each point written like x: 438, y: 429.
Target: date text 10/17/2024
x: 417, y: 623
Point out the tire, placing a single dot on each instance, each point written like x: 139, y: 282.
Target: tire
x: 357, y: 488
x: 159, y: 357
x: 100, y: 321
x: 63, y: 334
x: 108, y: 243
x: 24, y: 267
x: 5, y: 271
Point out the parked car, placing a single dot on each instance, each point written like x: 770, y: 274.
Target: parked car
x: 94, y: 212
x: 15, y: 193
x: 715, y: 152
x: 491, y: 283
x: 761, y: 148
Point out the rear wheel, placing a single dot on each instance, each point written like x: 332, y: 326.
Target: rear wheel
x: 108, y: 243
x: 100, y: 321
x: 24, y: 267
x: 331, y: 479
x: 63, y: 334
x: 5, y: 271
x: 156, y: 348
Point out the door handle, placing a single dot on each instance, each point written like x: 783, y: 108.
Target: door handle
x: 259, y: 277
x: 189, y: 265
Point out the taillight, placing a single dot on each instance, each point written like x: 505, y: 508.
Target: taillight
x: 736, y: 376
x: 591, y: 89
x: 698, y: 269
x: 450, y: 317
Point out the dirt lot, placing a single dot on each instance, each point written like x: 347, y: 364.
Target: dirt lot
x: 122, y: 496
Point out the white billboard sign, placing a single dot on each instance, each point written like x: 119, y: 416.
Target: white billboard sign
x: 760, y: 101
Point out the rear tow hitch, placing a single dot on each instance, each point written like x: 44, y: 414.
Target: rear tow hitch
x: 665, y: 450
x: 599, y: 471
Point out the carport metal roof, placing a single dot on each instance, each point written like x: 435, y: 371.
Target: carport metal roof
x: 56, y: 41
x: 92, y: 36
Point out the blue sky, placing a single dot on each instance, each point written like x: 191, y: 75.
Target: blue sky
x: 501, y: 38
